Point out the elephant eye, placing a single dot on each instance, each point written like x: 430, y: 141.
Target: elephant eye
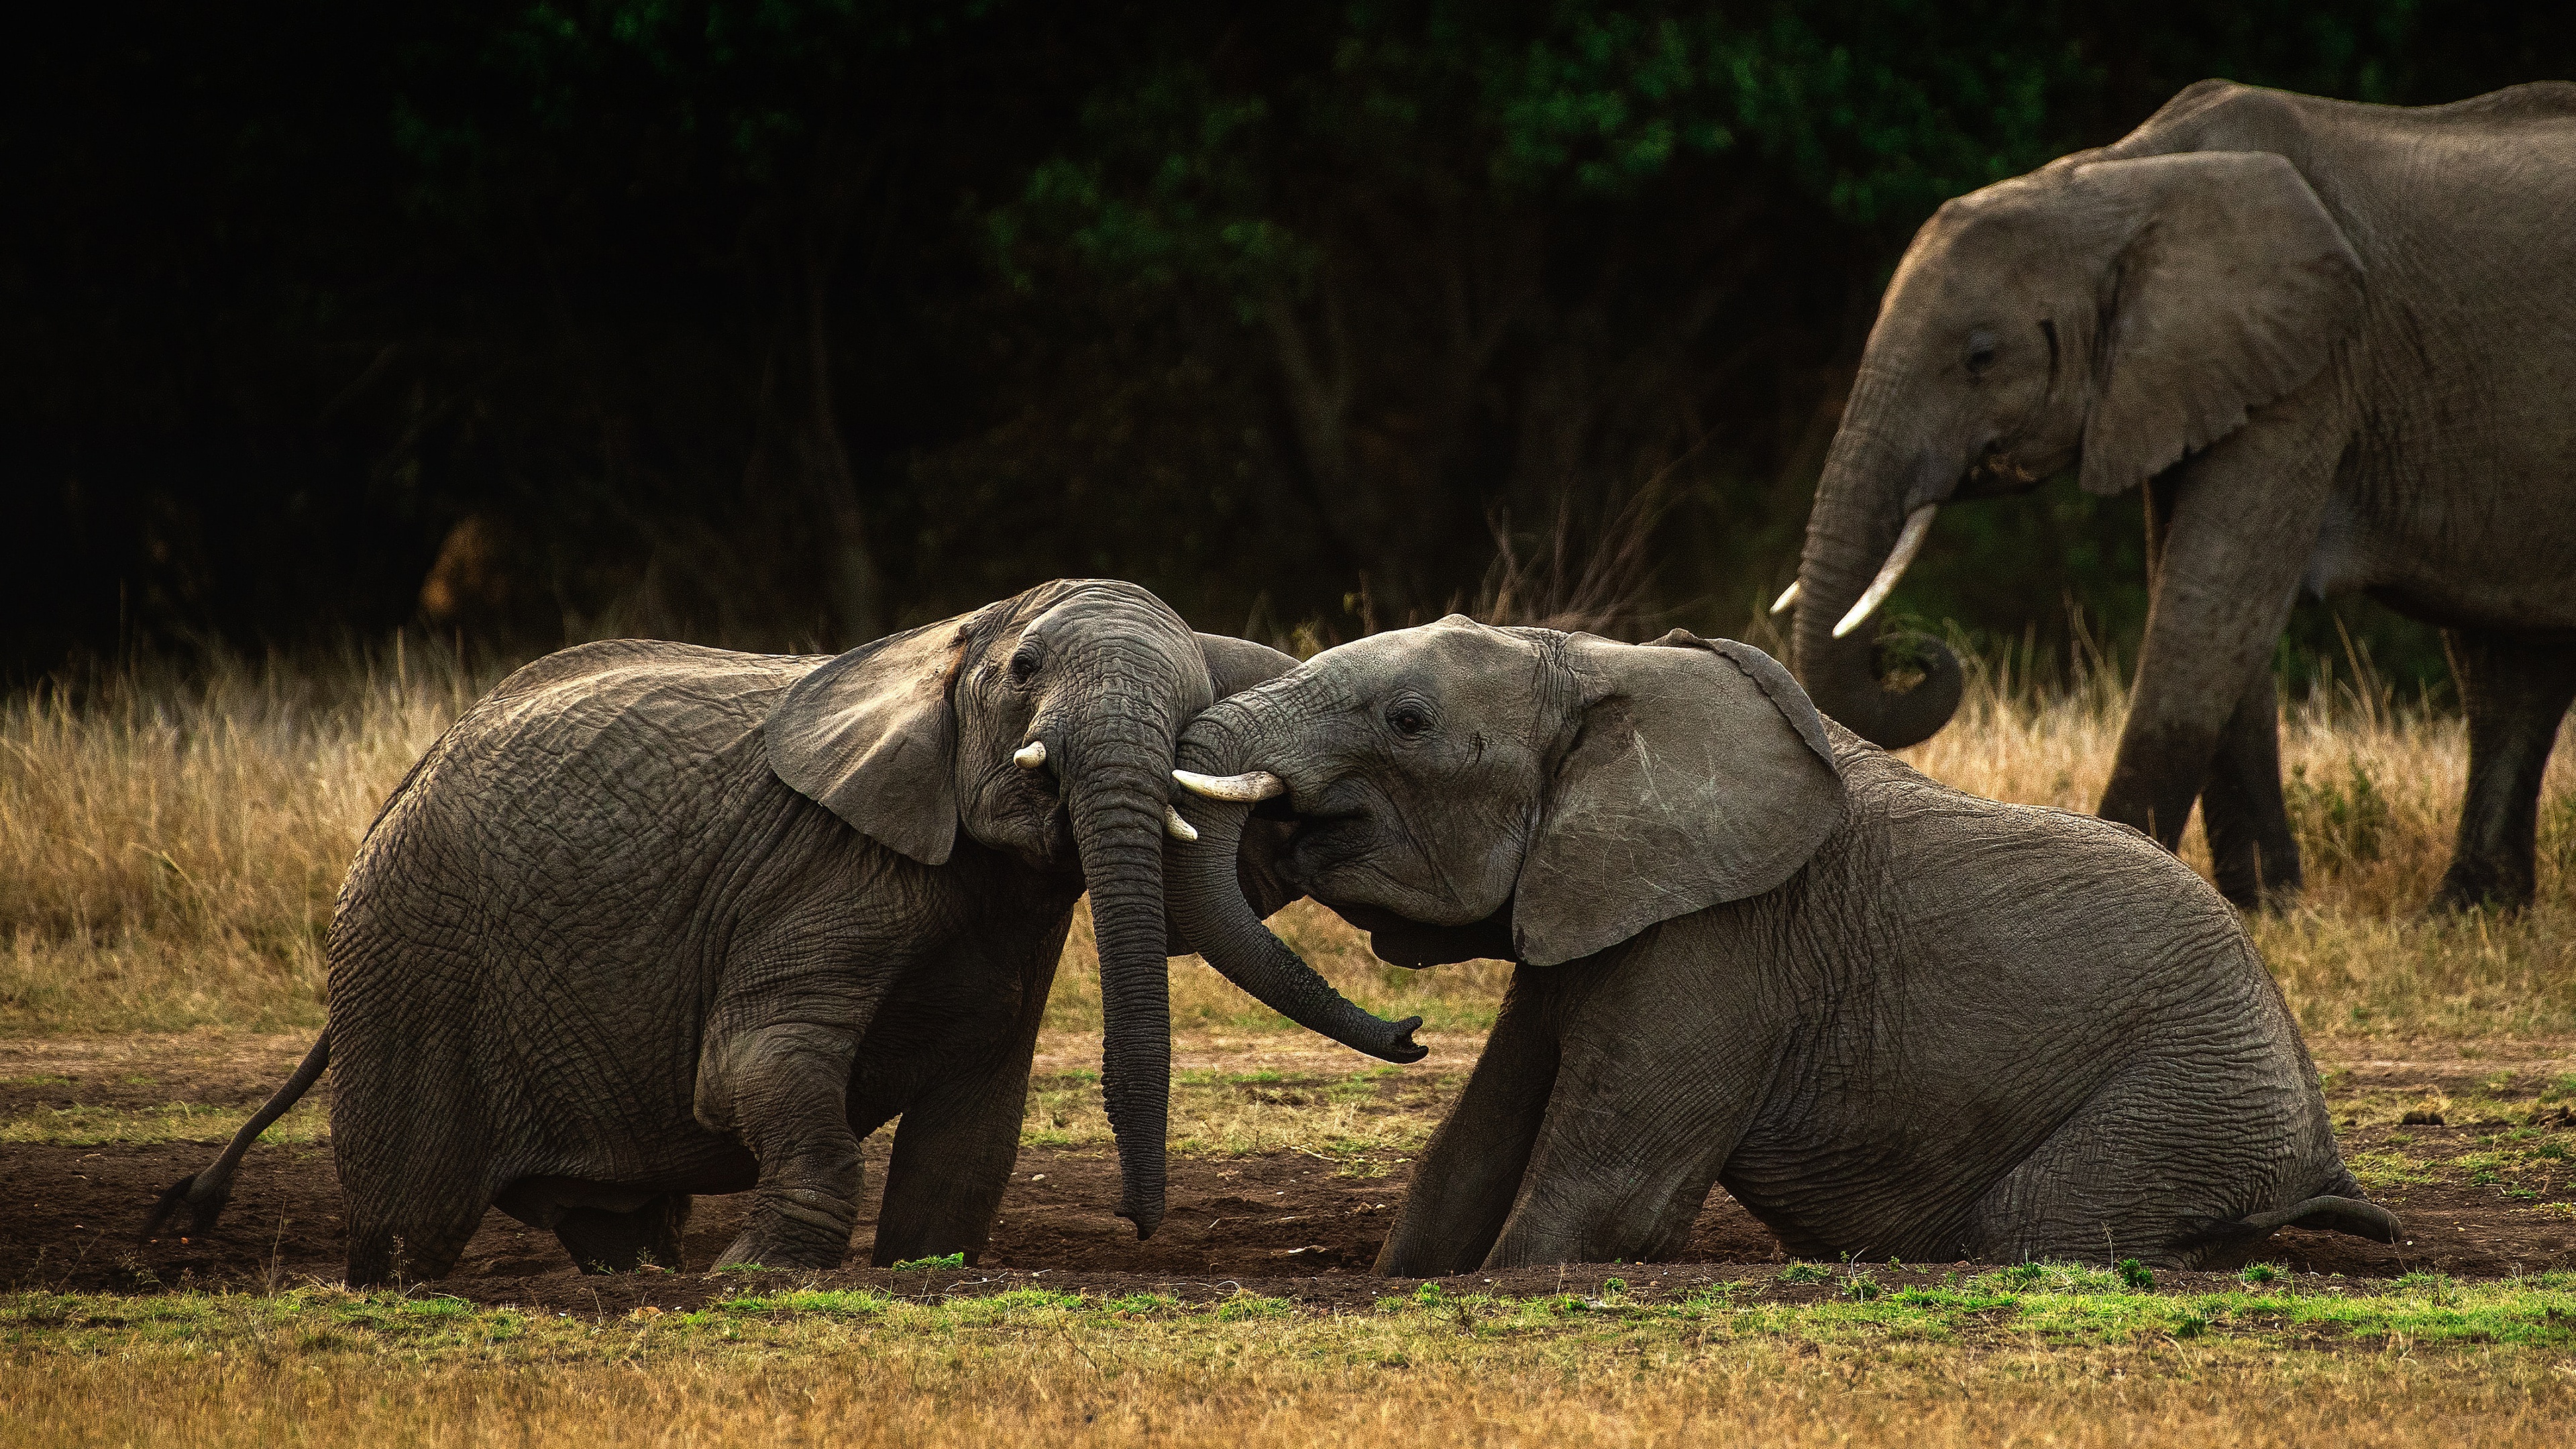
x: 1023, y: 666
x: 1981, y: 351
x: 1408, y: 718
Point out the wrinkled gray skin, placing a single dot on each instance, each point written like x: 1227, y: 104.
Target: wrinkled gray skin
x: 2333, y: 343
x: 654, y: 920
x: 1893, y: 1019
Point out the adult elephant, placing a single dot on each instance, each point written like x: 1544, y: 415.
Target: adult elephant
x: 1894, y: 1019
x: 653, y: 920
x: 2333, y: 343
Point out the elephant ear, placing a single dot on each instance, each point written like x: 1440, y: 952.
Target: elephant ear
x: 1699, y: 774
x: 1235, y: 665
x: 2230, y: 289
x: 872, y: 737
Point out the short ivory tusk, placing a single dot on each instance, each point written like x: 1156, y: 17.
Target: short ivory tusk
x: 1787, y: 597
x: 1031, y: 755
x: 1240, y: 789
x: 1177, y: 828
x: 1910, y: 542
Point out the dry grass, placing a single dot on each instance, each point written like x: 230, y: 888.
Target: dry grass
x: 169, y: 851
x: 1974, y: 1363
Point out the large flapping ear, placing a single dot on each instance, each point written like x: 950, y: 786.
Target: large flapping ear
x: 2230, y: 289
x: 1700, y: 774
x: 872, y: 737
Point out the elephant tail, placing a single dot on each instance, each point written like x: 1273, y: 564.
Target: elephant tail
x: 206, y: 1193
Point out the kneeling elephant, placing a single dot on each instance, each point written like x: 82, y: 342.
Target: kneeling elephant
x: 1893, y: 1019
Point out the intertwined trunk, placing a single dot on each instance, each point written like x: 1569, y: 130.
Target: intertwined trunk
x: 1115, y: 767
x: 1209, y: 906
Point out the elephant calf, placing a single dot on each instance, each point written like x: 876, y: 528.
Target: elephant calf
x: 654, y: 920
x: 1893, y: 1019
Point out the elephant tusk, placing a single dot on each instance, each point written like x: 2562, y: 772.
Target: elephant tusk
x: 1177, y: 828
x: 1787, y: 597
x: 1240, y: 789
x: 1031, y: 755
x: 1910, y: 542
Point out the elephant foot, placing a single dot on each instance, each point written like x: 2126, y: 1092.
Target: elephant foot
x: 792, y: 1228
x: 601, y: 1241
x: 2470, y: 888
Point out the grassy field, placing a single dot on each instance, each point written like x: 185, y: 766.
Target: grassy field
x: 169, y: 851
x: 2054, y: 1357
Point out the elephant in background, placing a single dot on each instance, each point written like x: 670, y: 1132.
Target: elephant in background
x: 1894, y: 1020
x: 653, y: 920
x: 2332, y: 344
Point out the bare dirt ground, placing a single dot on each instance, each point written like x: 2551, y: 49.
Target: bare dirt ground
x: 68, y: 1214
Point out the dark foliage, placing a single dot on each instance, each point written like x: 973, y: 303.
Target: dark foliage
x: 786, y: 321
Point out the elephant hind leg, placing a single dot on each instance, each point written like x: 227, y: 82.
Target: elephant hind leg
x: 2152, y: 1161
x: 2251, y: 849
x: 2515, y: 688
x: 602, y: 1241
x: 419, y: 1244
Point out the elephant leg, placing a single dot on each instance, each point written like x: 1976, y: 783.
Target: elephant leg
x: 2245, y: 518
x: 2515, y: 689
x: 956, y: 1145
x: 2251, y: 850
x: 784, y: 1090
x: 1653, y: 1091
x: 1465, y: 1181
x: 418, y: 1243
x: 601, y: 1241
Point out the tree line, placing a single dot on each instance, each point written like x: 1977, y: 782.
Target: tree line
x: 781, y: 323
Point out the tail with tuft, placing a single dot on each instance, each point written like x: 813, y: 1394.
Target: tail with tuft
x: 206, y: 1193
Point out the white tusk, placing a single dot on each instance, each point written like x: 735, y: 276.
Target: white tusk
x: 1031, y: 755
x: 1910, y: 542
x: 1240, y: 789
x: 1177, y: 828
x: 1787, y: 597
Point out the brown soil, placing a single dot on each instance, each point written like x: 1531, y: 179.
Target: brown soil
x: 68, y: 1214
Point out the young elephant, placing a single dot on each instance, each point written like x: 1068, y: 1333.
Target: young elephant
x: 654, y: 920
x: 1894, y: 1020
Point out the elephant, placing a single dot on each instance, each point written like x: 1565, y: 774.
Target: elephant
x: 1894, y: 1019
x: 2330, y: 343
x: 653, y: 920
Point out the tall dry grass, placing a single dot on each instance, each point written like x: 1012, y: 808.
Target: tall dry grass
x: 170, y: 847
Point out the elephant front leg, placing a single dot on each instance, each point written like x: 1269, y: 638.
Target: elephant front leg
x: 957, y: 1142
x: 2515, y: 690
x: 2245, y: 518
x: 1663, y: 1060
x: 2251, y: 849
x: 784, y: 1091
x: 1465, y: 1180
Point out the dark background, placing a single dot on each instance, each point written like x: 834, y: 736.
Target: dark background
x: 781, y: 323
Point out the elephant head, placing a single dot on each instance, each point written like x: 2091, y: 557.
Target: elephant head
x: 1464, y: 790
x: 2123, y: 313
x: 1044, y: 725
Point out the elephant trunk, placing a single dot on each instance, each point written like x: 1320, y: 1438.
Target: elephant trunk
x: 1114, y: 795
x: 1209, y: 907
x: 1869, y: 490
